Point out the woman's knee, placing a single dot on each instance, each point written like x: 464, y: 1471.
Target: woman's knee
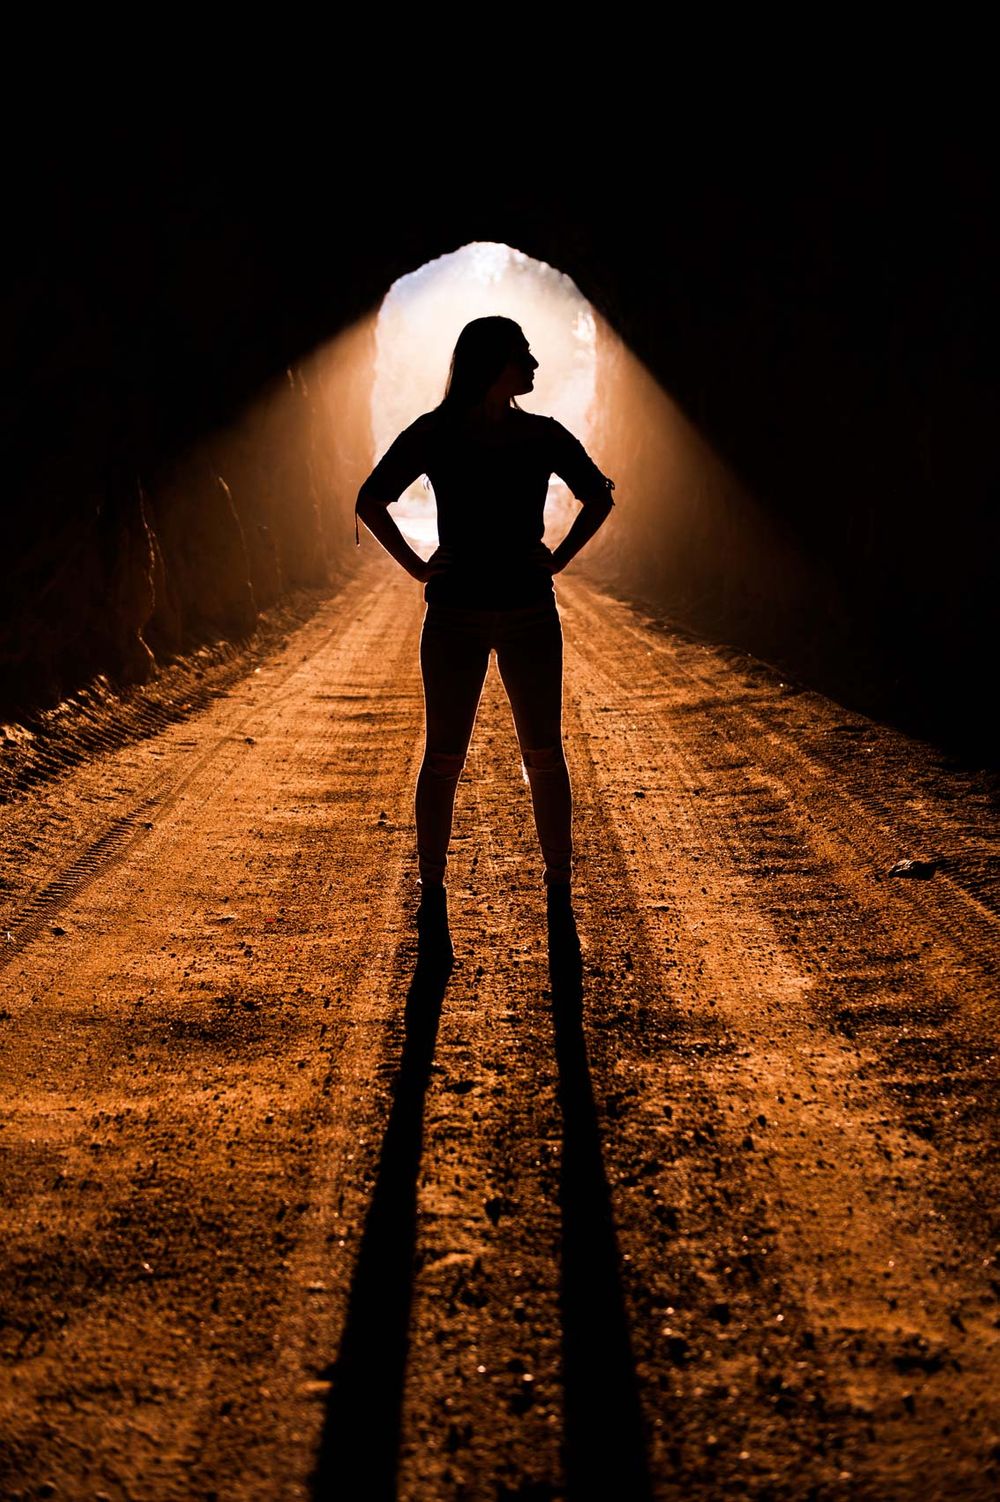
x: 544, y: 757
x: 446, y: 765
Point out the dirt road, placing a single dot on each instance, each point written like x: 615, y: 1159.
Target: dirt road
x: 705, y: 1209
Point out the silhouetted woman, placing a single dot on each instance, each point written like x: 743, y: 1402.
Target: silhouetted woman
x: 488, y: 585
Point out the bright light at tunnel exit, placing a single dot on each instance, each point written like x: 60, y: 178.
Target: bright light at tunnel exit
x: 423, y: 314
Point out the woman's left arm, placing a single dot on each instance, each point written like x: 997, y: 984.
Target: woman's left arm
x: 572, y: 463
x: 588, y: 520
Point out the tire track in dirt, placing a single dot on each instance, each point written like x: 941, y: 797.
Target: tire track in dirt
x: 98, y: 719
x: 920, y: 991
x: 869, y: 780
x: 159, y: 1178
x: 896, y: 1300
x: 82, y: 869
x: 223, y: 1142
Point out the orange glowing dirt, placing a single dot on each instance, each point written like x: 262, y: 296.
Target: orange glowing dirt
x: 716, y: 1222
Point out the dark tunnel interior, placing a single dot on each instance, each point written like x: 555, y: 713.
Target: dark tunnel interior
x: 812, y: 297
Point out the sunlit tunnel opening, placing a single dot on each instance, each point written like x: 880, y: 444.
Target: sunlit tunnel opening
x: 418, y: 323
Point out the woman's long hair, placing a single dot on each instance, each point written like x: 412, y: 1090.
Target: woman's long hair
x: 481, y: 351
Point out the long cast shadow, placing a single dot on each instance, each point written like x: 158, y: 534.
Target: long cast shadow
x: 604, y: 1447
x: 359, y: 1452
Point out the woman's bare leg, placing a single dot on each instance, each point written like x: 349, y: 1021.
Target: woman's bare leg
x: 530, y: 664
x: 453, y: 664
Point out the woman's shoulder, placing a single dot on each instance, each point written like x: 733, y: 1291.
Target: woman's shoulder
x: 548, y: 427
x: 427, y: 422
x: 447, y: 425
x: 556, y: 439
x: 548, y: 434
x: 537, y: 425
x: 415, y: 437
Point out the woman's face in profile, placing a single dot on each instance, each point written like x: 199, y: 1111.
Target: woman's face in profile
x: 518, y: 375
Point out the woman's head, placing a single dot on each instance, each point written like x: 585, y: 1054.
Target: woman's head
x: 488, y: 351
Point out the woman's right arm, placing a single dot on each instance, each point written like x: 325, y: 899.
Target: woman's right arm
x: 375, y: 515
x: 399, y: 466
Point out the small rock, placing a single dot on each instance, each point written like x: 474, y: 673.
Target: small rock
x: 315, y: 1389
x: 677, y: 1346
x: 497, y: 1207
x: 916, y: 869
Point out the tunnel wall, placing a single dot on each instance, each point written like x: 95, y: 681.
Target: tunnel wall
x: 150, y: 567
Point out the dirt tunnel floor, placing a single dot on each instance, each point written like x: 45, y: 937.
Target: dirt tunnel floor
x: 710, y: 1214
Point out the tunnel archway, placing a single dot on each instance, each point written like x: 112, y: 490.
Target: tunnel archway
x: 849, y: 404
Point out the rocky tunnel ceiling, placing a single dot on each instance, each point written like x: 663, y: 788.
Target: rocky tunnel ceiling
x: 810, y: 299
